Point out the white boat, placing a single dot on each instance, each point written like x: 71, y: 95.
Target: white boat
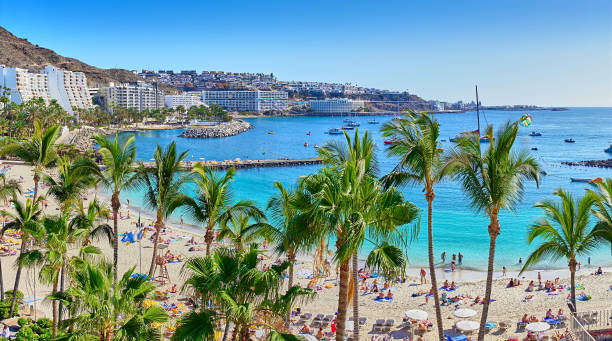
x: 335, y: 131
x: 609, y: 149
x: 535, y: 133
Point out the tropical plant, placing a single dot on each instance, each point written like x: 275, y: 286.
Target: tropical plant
x: 602, y: 207
x: 8, y: 190
x: 163, y: 188
x: 86, y: 219
x: 565, y: 232
x: 118, y: 159
x: 493, y: 180
x: 38, y: 151
x: 241, y: 230
x: 74, y: 178
x: 415, y: 143
x: 213, y: 201
x: 26, y: 219
x: 243, y: 292
x: 108, y: 310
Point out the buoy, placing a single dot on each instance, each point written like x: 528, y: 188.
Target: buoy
x: 305, y: 144
x: 308, y: 133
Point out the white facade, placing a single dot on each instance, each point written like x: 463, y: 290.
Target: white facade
x: 141, y: 96
x: 68, y: 88
x: 259, y: 101
x: 186, y: 100
x: 335, y: 106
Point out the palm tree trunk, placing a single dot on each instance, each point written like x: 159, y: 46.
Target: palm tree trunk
x: 116, y: 204
x: 572, y: 268
x: 158, y: 226
x: 355, y: 298
x: 493, y: 233
x: 342, y: 300
x: 36, y: 180
x: 61, y: 305
x: 208, y: 237
x: 226, y: 329
x: 1, y: 283
x: 432, y: 268
x: 54, y: 307
x: 17, y: 277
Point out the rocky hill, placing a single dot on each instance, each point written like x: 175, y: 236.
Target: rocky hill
x: 19, y: 52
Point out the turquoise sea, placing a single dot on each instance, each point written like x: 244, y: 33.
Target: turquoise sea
x: 456, y: 227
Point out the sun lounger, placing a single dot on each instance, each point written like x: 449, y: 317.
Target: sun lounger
x: 328, y: 318
x: 521, y: 326
x: 305, y: 316
x: 389, y: 324
x: 379, y: 326
x: 363, y: 321
x: 503, y: 326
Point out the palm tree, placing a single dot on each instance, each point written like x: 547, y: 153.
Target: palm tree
x: 8, y: 190
x: 212, y: 203
x: 415, y: 143
x: 26, y: 219
x: 118, y: 162
x: 493, y: 180
x: 565, y: 233
x: 162, y: 185
x: 109, y: 310
x: 86, y: 220
x: 602, y: 207
x: 375, y: 213
x: 74, y: 178
x: 239, y: 229
x: 38, y: 152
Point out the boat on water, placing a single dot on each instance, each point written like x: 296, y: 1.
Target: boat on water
x: 305, y: 144
x: 335, y: 131
x: 570, y: 140
x: 354, y: 124
x: 348, y: 127
x: 389, y: 141
x: 483, y: 139
x: 308, y: 133
x: 581, y: 179
x: 374, y: 121
x: 534, y: 148
x: 609, y: 149
x: 316, y: 146
x: 535, y: 133
x: 270, y: 133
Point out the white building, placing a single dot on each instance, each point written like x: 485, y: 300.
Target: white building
x: 68, y: 88
x: 186, y: 100
x: 141, y: 96
x: 335, y: 106
x: 260, y: 101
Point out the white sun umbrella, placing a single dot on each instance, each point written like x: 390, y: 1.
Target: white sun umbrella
x: 467, y: 326
x: 416, y: 314
x: 537, y: 327
x: 465, y: 312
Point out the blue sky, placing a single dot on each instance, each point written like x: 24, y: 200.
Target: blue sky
x: 549, y: 52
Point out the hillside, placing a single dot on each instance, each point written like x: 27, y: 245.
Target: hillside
x: 18, y: 52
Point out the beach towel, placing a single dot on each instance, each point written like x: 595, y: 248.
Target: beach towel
x: 583, y: 298
x: 128, y: 238
x: 449, y: 289
x: 378, y: 299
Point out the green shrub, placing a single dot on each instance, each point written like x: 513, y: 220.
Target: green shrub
x: 26, y: 334
x: 4, y: 309
x: 22, y: 321
x: 8, y: 295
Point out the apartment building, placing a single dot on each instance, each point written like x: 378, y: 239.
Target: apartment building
x: 187, y: 100
x: 140, y: 95
x: 257, y: 101
x: 67, y: 88
x: 335, y: 106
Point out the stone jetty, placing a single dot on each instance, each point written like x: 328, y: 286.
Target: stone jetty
x: 590, y: 163
x: 238, y: 163
x: 224, y: 129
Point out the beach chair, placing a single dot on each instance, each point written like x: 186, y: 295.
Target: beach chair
x: 521, y: 326
x: 363, y: 321
x: 328, y: 318
x: 389, y: 324
x: 503, y: 326
x: 379, y: 326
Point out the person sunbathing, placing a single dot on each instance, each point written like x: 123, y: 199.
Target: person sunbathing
x: 445, y: 284
x: 533, y: 319
x: 173, y: 290
x: 389, y: 294
x: 477, y: 300
x: 549, y: 314
x: 305, y: 329
x: 531, y: 286
x: 320, y: 334
x: 386, y: 285
x: 381, y: 295
x: 453, y: 286
x: 525, y: 319
x: 511, y: 283
x: 560, y: 314
x: 374, y: 287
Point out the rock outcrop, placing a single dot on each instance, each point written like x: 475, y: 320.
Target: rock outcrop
x: 81, y: 138
x: 224, y: 129
x: 590, y: 163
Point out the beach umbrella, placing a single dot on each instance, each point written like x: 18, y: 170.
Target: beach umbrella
x: 467, y: 325
x: 537, y: 327
x: 416, y: 314
x: 465, y: 313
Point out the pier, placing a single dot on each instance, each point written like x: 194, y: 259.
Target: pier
x: 238, y: 163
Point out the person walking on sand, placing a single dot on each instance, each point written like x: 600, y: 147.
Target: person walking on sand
x: 181, y: 219
x: 504, y: 271
x: 423, y: 279
x: 539, y: 278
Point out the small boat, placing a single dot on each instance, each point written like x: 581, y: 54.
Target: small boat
x: 316, y: 146
x: 346, y: 120
x: 389, y: 141
x: 305, y: 144
x: 374, y: 121
x: 535, y: 133
x: 348, y: 127
x: 534, y: 148
x: 270, y: 133
x: 609, y: 149
x: 353, y: 124
x: 570, y: 140
x: 581, y: 180
x: 308, y: 133
x: 335, y: 131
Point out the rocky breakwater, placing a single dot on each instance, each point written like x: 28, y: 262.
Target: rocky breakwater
x: 224, y: 129
x: 590, y: 163
x: 81, y: 138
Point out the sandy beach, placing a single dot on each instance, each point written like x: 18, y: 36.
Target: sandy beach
x: 510, y: 303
